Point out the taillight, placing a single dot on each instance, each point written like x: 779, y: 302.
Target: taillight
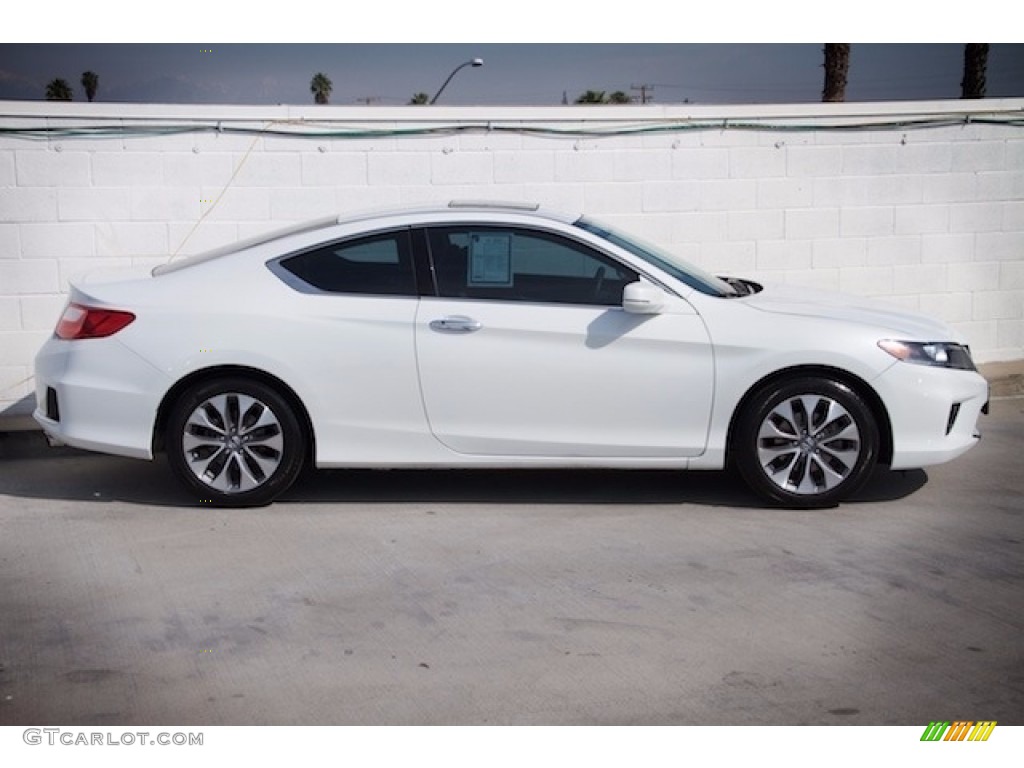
x: 81, y: 322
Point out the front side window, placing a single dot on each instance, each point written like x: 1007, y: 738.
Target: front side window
x: 509, y: 264
x: 379, y: 264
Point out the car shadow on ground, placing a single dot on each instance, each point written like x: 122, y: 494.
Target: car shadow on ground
x: 574, y: 486
x: 30, y: 469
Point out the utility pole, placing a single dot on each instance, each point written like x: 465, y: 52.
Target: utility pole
x: 643, y: 92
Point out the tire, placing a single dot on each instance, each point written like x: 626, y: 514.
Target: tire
x: 807, y: 442
x: 235, y: 442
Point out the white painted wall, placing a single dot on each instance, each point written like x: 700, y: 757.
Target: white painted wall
x: 930, y: 218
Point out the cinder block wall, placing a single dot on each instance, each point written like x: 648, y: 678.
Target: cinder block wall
x: 918, y: 204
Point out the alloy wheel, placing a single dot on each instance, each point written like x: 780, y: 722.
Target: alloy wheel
x: 808, y: 444
x: 233, y: 442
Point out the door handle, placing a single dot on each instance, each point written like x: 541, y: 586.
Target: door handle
x: 456, y: 324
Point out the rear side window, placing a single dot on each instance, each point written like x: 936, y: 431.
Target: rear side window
x: 379, y: 265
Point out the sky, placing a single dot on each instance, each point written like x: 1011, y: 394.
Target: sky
x: 535, y: 52
x: 512, y: 74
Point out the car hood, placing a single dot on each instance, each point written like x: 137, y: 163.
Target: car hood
x: 811, y: 302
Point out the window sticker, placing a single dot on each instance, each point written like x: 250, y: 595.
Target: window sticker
x: 490, y: 259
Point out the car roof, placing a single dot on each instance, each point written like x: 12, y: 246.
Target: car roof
x: 533, y: 210
x: 463, y: 206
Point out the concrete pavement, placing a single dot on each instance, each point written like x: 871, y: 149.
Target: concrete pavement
x: 510, y: 597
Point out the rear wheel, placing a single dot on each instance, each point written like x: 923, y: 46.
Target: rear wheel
x: 807, y: 442
x: 235, y: 442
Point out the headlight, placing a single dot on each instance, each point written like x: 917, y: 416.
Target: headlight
x: 943, y: 354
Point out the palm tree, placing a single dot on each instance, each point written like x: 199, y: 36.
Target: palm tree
x: 90, y: 81
x: 420, y: 98
x: 591, y: 97
x: 58, y: 90
x: 837, y: 64
x: 619, y: 97
x: 975, y: 64
x: 321, y: 87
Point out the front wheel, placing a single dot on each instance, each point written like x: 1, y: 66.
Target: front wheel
x: 235, y: 442
x: 807, y: 442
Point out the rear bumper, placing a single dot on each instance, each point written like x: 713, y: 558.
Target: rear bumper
x: 103, y: 401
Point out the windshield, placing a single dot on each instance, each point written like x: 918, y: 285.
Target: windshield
x: 687, y: 273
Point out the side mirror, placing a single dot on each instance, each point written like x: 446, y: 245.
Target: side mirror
x: 642, y: 298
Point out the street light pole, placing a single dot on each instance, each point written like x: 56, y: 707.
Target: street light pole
x: 470, y: 63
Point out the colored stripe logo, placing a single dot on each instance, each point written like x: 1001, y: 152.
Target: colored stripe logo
x: 960, y: 730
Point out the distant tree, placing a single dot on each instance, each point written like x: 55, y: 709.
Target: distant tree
x: 58, y: 90
x: 321, y: 87
x: 591, y: 97
x: 600, y: 97
x: 975, y: 64
x: 91, y: 82
x: 837, y: 65
x: 420, y: 98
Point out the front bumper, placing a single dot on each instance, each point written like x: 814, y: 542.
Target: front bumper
x: 933, y: 411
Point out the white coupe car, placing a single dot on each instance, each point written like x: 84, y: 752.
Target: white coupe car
x: 493, y: 335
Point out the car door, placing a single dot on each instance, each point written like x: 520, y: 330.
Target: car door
x: 525, y: 351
